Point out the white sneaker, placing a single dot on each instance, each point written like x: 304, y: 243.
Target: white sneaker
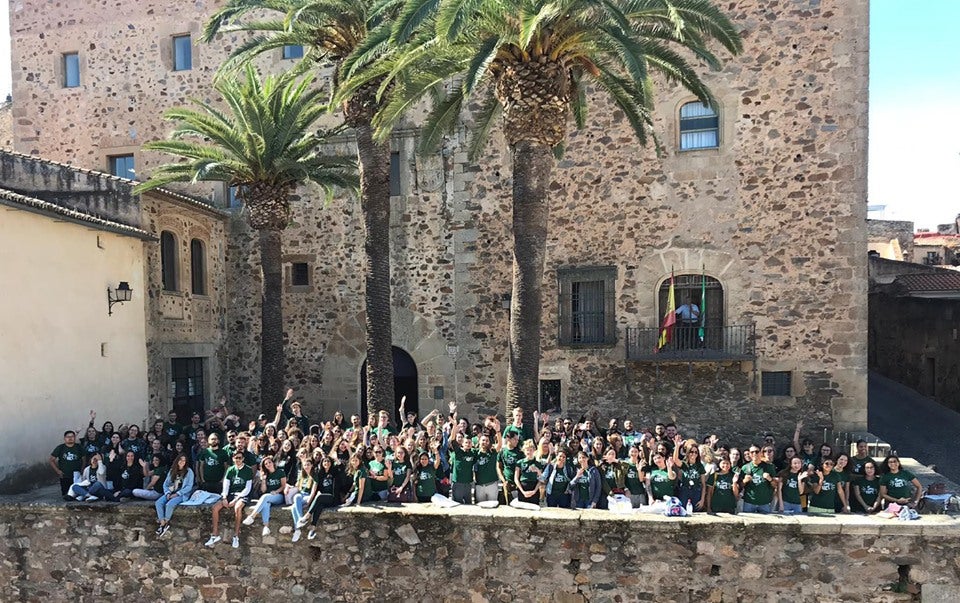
x: 248, y: 521
x: 212, y: 541
x: 91, y: 498
x: 296, y: 535
x: 303, y: 521
x: 311, y: 534
x: 236, y: 542
x: 266, y: 531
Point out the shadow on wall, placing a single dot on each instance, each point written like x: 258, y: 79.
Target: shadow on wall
x: 23, y: 478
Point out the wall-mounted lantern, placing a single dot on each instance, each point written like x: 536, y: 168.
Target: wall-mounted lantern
x: 123, y: 293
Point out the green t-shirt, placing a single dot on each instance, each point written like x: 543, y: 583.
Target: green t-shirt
x: 462, y: 463
x: 690, y: 474
x: 722, y: 500
x: 400, y: 472
x: 758, y: 491
x: 827, y: 498
x: 529, y: 473
x: 791, y: 487
x: 633, y: 483
x: 214, y: 463
x: 238, y: 478
x: 274, y: 480
x: 856, y: 464
x: 172, y: 431
x: 869, y: 490
x: 898, y: 484
x: 426, y: 481
x: 368, y: 492
x: 661, y: 485
x: 583, y: 488
x: 383, y: 433
x: 69, y: 458
x: 161, y: 474
x: 609, y: 474
x: 375, y: 485
x: 327, y: 484
x: 508, y: 462
x: 485, y: 467
x: 560, y: 481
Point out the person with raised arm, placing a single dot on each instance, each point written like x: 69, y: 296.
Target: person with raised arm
x: 462, y: 459
x: 825, y: 488
x: 485, y: 472
x: 507, y: 460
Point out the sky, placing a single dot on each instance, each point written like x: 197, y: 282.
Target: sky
x: 914, y: 90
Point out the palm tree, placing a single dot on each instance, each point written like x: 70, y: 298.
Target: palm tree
x: 265, y: 144
x: 530, y: 61
x: 349, y: 34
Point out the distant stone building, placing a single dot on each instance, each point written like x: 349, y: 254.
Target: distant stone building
x: 914, y: 316
x: 758, y: 207
x: 891, y: 239
x: 941, y: 248
x: 67, y: 236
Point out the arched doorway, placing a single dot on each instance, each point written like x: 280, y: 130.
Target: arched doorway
x: 404, y: 384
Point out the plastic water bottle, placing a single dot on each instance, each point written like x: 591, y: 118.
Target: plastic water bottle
x: 689, y: 507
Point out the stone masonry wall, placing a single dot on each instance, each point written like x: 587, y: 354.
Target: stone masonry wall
x: 776, y: 214
x: 883, y: 231
x: 423, y: 554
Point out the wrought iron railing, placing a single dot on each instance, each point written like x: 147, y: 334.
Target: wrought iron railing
x: 736, y: 342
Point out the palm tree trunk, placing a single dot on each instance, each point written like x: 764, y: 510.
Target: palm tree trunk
x: 532, y: 170
x: 272, y: 362
x: 374, y: 158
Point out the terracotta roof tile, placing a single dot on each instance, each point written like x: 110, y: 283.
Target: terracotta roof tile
x: 13, y: 199
x: 945, y: 280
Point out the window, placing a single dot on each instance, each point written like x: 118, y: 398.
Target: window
x: 121, y: 166
x: 395, y: 174
x: 587, y: 298
x: 198, y: 268
x: 775, y: 383
x: 300, y: 274
x: 168, y: 260
x: 186, y: 387
x: 932, y: 259
x: 690, y: 288
x: 182, y: 53
x: 233, y: 196
x: 699, y: 127
x: 550, y: 395
x: 293, y: 51
x: 71, y: 70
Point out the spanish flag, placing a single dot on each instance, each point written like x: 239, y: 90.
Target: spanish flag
x: 669, y: 319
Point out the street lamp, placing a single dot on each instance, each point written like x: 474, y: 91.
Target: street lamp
x: 123, y: 293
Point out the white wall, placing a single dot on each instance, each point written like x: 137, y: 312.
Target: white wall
x: 53, y: 319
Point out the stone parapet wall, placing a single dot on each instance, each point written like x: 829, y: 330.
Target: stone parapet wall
x: 420, y: 553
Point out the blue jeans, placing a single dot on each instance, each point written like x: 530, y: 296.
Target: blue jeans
x: 166, y: 504
x: 792, y: 508
x: 752, y: 508
x: 299, y: 499
x: 266, y: 501
x: 95, y: 489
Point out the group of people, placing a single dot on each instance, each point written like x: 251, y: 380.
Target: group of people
x: 308, y: 467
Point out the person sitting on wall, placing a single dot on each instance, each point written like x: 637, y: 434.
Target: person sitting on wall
x: 237, y: 483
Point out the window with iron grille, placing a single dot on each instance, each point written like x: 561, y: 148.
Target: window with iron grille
x: 775, y: 383
x: 699, y: 127
x: 198, y: 267
x: 587, y: 305
x: 182, y: 53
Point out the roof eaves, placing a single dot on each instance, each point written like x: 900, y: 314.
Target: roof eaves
x: 18, y: 201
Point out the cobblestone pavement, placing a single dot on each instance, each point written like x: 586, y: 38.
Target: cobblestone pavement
x: 914, y: 425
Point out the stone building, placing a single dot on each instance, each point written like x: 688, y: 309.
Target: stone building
x: 758, y: 203
x: 940, y: 248
x: 914, y: 313
x: 68, y: 235
x: 891, y: 239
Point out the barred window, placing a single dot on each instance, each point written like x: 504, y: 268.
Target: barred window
x: 699, y: 127
x: 775, y: 383
x: 587, y: 305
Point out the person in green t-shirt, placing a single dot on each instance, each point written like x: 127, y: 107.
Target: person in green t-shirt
x: 462, y: 460
x: 866, y: 490
x: 862, y: 457
x: 157, y: 472
x: 635, y: 477
x: 273, y: 485
x: 826, y: 487
x: 379, y: 475
x: 523, y: 432
x: 237, y: 483
x: 171, y: 429
x: 507, y: 463
x: 211, y: 464
x: 67, y: 459
x: 526, y: 475
x: 791, y: 485
x: 485, y: 466
x: 723, y: 489
x: 400, y: 487
x: 757, y: 478
x: 663, y: 478
x: 898, y: 485
x: 425, y: 475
